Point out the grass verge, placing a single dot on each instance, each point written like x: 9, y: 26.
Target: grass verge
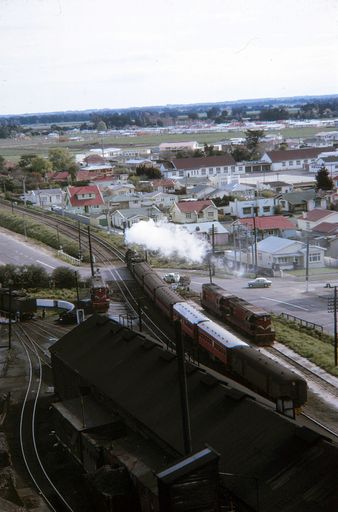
x: 317, y: 348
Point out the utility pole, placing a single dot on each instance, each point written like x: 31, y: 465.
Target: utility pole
x: 307, y: 263
x: 80, y: 249
x: 182, y: 376
x: 332, y: 308
x: 10, y: 283
x: 90, y: 253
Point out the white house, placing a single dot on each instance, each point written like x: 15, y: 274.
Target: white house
x: 202, y: 167
x: 281, y: 253
x: 258, y: 206
x: 281, y: 160
x: 125, y: 218
x: 178, y: 146
x: 310, y: 220
x: 45, y: 198
x: 330, y: 162
x: 186, y: 212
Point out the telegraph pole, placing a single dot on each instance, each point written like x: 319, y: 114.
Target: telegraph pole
x: 90, y: 253
x: 332, y: 308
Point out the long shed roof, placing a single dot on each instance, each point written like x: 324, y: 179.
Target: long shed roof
x: 292, y: 467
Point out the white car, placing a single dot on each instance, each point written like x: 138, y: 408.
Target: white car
x: 259, y: 282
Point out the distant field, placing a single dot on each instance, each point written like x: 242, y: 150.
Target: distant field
x: 13, y: 149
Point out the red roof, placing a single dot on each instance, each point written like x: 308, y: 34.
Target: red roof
x: 317, y: 214
x: 163, y: 183
x: 280, y: 155
x: 328, y: 228
x: 87, y: 175
x: 105, y: 178
x: 194, y: 206
x: 207, y: 161
x: 268, y: 222
x: 94, y: 159
x: 75, y: 192
x: 59, y: 176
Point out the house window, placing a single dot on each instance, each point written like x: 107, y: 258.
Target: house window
x: 233, y: 168
x: 306, y: 161
x: 298, y: 162
x: 181, y: 173
x: 218, y: 170
x: 314, y: 256
x: 188, y: 215
x: 204, y: 171
x: 290, y: 162
x: 240, y: 168
x: 266, y: 208
x: 225, y: 168
x: 283, y: 164
x: 247, y: 210
x: 210, y: 215
x: 211, y: 171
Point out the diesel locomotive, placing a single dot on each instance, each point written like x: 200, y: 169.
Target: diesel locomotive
x: 252, y: 320
x: 242, y: 362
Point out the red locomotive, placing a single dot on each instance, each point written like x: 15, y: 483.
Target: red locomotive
x: 99, y: 294
x: 248, y: 318
x: 244, y: 363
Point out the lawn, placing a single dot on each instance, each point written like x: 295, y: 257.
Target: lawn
x: 318, y: 349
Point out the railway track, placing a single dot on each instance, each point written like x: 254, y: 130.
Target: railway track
x: 321, y: 388
x: 29, y: 445
x: 102, y: 250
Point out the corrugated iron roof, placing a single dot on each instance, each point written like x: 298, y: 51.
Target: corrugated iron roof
x: 264, y: 456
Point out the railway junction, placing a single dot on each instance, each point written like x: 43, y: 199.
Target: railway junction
x: 116, y: 408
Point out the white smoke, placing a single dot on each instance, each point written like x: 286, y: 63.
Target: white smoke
x: 170, y: 240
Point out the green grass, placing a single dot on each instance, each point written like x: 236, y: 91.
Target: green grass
x: 316, y: 348
x: 313, y: 271
x: 13, y: 149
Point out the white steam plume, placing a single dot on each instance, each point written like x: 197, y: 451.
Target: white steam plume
x: 169, y: 240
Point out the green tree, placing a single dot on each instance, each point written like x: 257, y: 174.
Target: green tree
x: 240, y: 153
x: 101, y: 126
x: 148, y: 171
x: 64, y: 277
x: 2, y: 163
x: 324, y: 182
x: 252, y: 140
x: 61, y: 159
x: 41, y: 165
x: 25, y: 161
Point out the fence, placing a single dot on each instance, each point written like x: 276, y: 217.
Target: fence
x: 302, y: 322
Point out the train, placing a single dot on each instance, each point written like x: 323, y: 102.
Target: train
x: 237, y: 358
x: 99, y: 293
x: 252, y: 320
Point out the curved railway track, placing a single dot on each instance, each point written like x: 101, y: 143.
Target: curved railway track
x: 28, y: 425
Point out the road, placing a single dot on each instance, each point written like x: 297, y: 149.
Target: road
x: 287, y: 295
x: 15, y: 250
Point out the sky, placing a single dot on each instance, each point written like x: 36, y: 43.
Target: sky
x: 86, y: 54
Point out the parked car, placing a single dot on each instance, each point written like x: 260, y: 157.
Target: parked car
x: 259, y: 282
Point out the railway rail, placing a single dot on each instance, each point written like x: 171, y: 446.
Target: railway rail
x: 27, y: 427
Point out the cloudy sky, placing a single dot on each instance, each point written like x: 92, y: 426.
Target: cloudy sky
x: 79, y: 54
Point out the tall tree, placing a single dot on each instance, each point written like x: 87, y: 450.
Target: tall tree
x: 324, y: 182
x: 252, y: 140
x: 61, y: 159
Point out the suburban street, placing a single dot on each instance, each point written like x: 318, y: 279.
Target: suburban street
x: 288, y: 295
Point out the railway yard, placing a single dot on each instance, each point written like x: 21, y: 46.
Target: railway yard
x: 45, y: 476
